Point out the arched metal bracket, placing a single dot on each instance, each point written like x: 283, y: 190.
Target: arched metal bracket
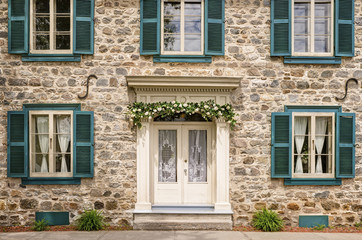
x: 345, y: 94
x: 86, y: 94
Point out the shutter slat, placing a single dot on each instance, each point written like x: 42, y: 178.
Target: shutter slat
x: 214, y: 27
x: 150, y: 27
x: 280, y: 28
x: 345, y: 145
x: 281, y: 145
x: 344, y: 28
x: 83, y: 27
x: 83, y: 144
x: 17, y: 144
x: 18, y: 26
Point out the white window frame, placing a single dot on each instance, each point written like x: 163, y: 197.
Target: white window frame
x: 52, y: 146
x: 312, y: 160
x: 312, y: 17
x: 182, y: 31
x: 52, y: 31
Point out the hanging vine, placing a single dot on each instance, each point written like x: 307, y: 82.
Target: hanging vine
x: 209, y: 110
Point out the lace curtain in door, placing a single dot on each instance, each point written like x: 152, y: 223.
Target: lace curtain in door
x: 197, y: 156
x: 42, y: 124
x: 63, y: 132
x: 300, y: 126
x: 320, y: 131
x: 167, y: 156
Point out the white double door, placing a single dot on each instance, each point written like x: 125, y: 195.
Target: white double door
x: 182, y: 164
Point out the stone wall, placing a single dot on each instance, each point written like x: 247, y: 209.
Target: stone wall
x: 267, y: 85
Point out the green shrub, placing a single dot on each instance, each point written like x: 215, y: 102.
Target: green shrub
x: 319, y: 227
x: 40, y: 225
x: 267, y: 220
x: 358, y: 224
x: 91, y: 220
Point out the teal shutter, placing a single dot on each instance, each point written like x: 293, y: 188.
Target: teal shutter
x: 345, y: 145
x: 280, y: 32
x: 83, y: 146
x: 344, y: 28
x: 17, y: 144
x: 281, y: 151
x: 214, y: 27
x: 83, y: 22
x: 150, y: 27
x: 18, y: 14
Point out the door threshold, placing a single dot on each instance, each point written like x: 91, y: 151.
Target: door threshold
x: 183, y: 209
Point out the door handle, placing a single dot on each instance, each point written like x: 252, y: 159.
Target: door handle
x: 185, y: 170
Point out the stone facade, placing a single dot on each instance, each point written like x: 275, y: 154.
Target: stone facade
x: 267, y: 85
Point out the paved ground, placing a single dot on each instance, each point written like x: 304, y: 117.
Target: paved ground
x: 177, y: 235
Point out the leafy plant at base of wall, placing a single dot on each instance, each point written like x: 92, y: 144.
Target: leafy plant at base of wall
x: 90, y: 220
x: 40, y: 225
x: 209, y: 110
x: 319, y: 227
x: 267, y: 220
x: 358, y: 224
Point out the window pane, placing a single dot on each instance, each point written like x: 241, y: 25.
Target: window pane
x: 167, y: 156
x: 302, y: 145
x: 322, y: 9
x: 172, y: 42
x: 40, y: 141
x: 42, y: 23
x: 301, y: 44
x: 172, y: 24
x: 322, y: 27
x: 197, y: 156
x: 193, y: 43
x: 172, y: 8
x: 63, y: 24
x: 62, y: 42
x: 42, y: 6
x: 192, y: 24
x: 193, y: 8
x: 42, y: 42
x: 62, y: 6
x: 323, y: 146
x: 62, y: 142
x: 322, y: 44
x: 302, y: 26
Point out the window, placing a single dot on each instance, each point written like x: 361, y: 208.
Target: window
x: 50, y: 24
x: 313, y: 145
x: 312, y: 31
x: 51, y: 30
x: 50, y: 144
x: 182, y: 30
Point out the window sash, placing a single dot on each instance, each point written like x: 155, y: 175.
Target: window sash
x: 52, y: 144
x: 52, y: 31
x: 311, y: 42
x: 182, y: 31
x: 312, y: 152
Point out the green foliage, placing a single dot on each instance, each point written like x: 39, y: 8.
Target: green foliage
x: 319, y: 227
x: 358, y: 224
x: 267, y: 220
x: 209, y: 110
x: 40, y: 225
x: 90, y: 220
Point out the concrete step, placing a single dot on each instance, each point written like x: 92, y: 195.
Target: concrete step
x: 184, y: 218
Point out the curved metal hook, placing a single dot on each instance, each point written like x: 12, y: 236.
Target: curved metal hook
x: 345, y: 94
x: 86, y: 94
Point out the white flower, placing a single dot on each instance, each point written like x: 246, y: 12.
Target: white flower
x: 180, y: 105
x: 229, y: 121
x: 134, y: 110
x: 173, y: 102
x: 207, y: 113
x: 146, y: 113
x: 197, y: 109
x: 132, y: 115
x: 173, y: 110
x: 175, y: 105
x: 222, y: 109
x: 228, y: 107
x: 183, y: 110
x: 154, y: 110
x: 139, y: 110
x: 177, y: 111
x: 185, y: 104
x: 206, y: 107
x: 150, y: 117
x: 159, y: 109
x: 216, y: 108
x: 219, y: 113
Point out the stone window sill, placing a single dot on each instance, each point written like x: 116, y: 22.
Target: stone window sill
x: 50, y: 58
x: 182, y: 59
x: 312, y: 181
x: 313, y: 60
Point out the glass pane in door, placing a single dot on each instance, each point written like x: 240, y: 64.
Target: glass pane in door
x: 197, y: 156
x: 167, y: 156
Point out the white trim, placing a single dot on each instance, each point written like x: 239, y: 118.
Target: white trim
x: 52, y: 144
x: 182, y: 31
x: 312, y: 155
x: 312, y: 33
x: 52, y: 32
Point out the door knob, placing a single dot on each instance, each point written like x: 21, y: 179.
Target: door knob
x: 185, y: 160
x: 185, y: 170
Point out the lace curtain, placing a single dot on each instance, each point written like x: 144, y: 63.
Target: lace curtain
x: 42, y: 124
x: 167, y: 153
x: 300, y: 126
x: 63, y: 131
x: 321, y: 127
x: 197, y: 156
